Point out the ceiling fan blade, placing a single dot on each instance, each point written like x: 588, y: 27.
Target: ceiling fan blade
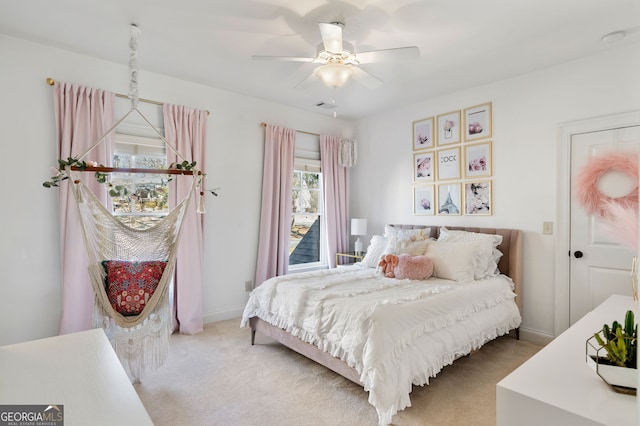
x: 331, y: 37
x: 394, y: 54
x: 367, y: 79
x: 306, y: 82
x: 281, y: 58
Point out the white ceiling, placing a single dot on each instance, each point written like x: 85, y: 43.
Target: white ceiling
x: 463, y: 43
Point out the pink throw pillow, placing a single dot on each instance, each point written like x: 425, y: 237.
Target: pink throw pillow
x: 413, y: 267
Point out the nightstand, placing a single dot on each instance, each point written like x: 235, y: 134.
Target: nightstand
x: 351, y: 257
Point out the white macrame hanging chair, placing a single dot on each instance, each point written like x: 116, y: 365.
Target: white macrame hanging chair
x: 140, y: 341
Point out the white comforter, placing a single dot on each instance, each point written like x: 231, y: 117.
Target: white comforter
x: 395, y: 333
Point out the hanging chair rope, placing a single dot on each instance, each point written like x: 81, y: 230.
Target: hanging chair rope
x: 133, y: 66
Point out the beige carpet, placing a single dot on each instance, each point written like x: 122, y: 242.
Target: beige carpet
x: 218, y: 378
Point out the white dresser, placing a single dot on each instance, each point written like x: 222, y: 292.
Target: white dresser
x: 557, y: 387
x: 79, y: 371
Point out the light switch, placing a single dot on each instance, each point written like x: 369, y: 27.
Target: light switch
x: 547, y: 228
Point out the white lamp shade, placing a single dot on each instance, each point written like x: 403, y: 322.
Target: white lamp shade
x: 358, y: 226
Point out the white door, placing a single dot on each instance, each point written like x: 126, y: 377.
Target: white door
x: 599, y: 266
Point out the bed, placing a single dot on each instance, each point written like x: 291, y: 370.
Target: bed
x: 388, y: 334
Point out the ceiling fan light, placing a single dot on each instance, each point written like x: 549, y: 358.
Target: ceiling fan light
x: 334, y: 75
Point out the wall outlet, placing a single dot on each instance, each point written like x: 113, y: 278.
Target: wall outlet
x: 248, y: 285
x: 547, y: 228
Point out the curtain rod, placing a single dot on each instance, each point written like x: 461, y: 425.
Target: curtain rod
x: 263, y: 124
x: 52, y: 82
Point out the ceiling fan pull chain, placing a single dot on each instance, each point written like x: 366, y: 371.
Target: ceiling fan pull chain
x: 333, y: 101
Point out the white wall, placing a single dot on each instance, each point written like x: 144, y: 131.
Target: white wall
x: 30, y: 283
x: 527, y: 112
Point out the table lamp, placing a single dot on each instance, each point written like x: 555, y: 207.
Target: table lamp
x: 358, y: 227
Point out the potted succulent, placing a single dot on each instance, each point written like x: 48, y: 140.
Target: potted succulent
x: 613, y: 353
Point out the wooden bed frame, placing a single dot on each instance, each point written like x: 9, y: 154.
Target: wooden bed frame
x: 510, y: 264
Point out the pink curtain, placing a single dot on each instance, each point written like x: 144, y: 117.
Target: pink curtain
x: 83, y: 116
x: 276, y: 211
x: 334, y: 180
x: 186, y: 129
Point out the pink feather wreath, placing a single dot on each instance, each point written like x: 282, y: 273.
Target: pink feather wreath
x: 587, y: 192
x: 620, y: 215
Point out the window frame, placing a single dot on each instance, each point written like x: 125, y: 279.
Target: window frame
x: 303, y: 165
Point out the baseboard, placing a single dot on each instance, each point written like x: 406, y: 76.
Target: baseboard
x: 535, y: 336
x: 223, y: 315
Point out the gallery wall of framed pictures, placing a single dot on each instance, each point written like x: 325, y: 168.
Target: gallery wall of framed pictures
x: 453, y: 163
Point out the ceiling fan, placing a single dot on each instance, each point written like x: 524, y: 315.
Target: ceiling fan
x: 339, y: 61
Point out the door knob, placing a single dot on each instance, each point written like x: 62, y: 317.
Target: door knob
x: 578, y: 254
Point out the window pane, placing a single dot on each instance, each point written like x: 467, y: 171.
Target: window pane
x: 146, y: 162
x: 304, y: 246
x: 296, y: 179
x: 139, y: 193
x: 124, y: 161
x: 314, y: 201
x: 312, y: 180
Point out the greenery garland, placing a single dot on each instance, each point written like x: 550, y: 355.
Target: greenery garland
x: 60, y: 174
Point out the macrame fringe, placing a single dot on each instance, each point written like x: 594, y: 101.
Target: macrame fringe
x: 140, y: 348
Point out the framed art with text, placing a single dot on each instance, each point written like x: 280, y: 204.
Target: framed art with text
x: 448, y: 163
x: 477, y: 122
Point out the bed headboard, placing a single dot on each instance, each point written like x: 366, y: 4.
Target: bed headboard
x: 510, y: 263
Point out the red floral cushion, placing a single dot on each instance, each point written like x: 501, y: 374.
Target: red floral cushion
x: 130, y: 285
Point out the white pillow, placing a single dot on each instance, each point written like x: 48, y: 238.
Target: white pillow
x: 406, y: 240
x: 454, y: 260
x: 488, y: 254
x: 375, y: 250
x: 414, y: 248
x: 407, y: 233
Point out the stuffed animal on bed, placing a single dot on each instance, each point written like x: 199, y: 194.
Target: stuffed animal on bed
x: 413, y: 267
x: 387, y: 264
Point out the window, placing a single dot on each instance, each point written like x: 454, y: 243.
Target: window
x: 139, y: 200
x: 307, y: 241
x: 306, y: 244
